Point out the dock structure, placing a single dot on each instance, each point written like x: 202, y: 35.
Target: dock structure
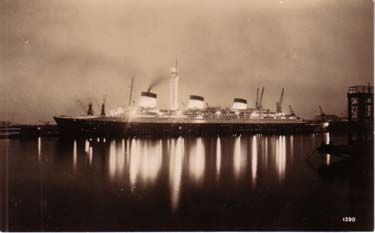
x: 360, y: 113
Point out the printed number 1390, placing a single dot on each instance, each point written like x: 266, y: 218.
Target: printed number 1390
x: 348, y: 219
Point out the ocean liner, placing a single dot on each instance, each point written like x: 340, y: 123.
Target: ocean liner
x: 197, y: 118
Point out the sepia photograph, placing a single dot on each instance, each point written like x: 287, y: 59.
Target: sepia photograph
x: 180, y: 115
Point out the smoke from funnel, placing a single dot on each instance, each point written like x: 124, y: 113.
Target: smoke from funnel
x: 156, y: 82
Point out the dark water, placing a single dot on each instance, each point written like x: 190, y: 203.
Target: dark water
x: 229, y: 183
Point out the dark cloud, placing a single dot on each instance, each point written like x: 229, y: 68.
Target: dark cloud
x: 51, y: 51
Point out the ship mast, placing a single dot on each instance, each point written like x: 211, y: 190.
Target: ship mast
x: 102, y: 112
x: 131, y: 90
x: 173, y: 88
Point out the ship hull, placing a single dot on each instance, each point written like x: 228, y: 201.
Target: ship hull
x: 122, y: 127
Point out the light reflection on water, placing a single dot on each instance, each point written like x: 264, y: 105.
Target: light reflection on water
x: 151, y: 161
x: 175, y: 171
x: 327, y: 157
x: 75, y: 154
x: 87, y: 146
x: 265, y: 156
x: 326, y: 138
x: 239, y: 157
x: 143, y: 162
x: 139, y: 162
x: 39, y: 148
x: 280, y: 157
x: 90, y: 155
x: 121, y: 158
x: 112, y: 159
x: 291, y: 144
x: 254, y: 160
x: 180, y: 183
x: 218, y: 157
x: 133, y: 162
x: 197, y: 161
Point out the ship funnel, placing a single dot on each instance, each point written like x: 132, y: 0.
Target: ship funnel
x: 148, y: 100
x: 196, y: 102
x: 239, y: 104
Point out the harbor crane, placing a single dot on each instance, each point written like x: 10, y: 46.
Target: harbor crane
x: 279, y: 104
x: 261, y: 99
x: 82, y: 105
x: 322, y: 113
x: 97, y: 103
x: 89, y: 111
x: 323, y: 117
x: 292, y: 113
x: 258, y: 103
x: 131, y: 90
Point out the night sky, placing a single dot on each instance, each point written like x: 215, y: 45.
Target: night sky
x: 54, y: 51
